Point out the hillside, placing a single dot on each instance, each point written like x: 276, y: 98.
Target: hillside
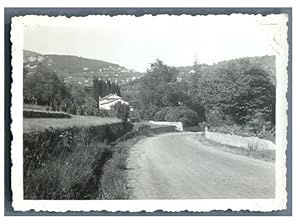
x: 265, y: 62
x: 30, y: 54
x: 73, y: 64
x: 77, y: 70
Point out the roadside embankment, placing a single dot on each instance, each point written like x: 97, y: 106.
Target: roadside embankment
x: 114, y: 182
x: 67, y: 163
x: 236, y: 145
x: 250, y: 143
x: 79, y: 162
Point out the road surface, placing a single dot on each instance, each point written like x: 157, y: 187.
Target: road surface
x: 176, y: 166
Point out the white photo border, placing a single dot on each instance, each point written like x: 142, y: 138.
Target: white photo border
x: 203, y: 205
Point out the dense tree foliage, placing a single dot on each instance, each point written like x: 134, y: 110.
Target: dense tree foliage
x: 161, y: 96
x: 44, y: 86
x: 238, y: 92
x: 103, y: 88
x: 158, y: 86
x: 122, y: 111
x: 234, y: 92
x: 183, y: 114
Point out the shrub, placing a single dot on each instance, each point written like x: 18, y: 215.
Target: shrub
x: 194, y: 128
x: 122, y: 111
x: 183, y: 114
x: 267, y: 134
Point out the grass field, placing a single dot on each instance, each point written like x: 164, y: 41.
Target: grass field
x: 39, y: 124
x: 34, y: 107
x: 44, y: 114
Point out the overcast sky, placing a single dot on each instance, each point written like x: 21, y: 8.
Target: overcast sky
x: 135, y: 42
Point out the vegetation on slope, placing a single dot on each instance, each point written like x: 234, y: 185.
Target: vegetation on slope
x: 78, y: 70
x: 45, y: 89
x: 67, y: 163
x: 240, y: 92
x: 73, y: 64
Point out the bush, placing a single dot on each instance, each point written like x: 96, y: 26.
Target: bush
x: 183, y: 114
x: 194, y: 128
x: 267, y: 134
x: 122, y: 111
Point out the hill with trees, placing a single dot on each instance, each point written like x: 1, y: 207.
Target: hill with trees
x: 266, y: 62
x: 78, y: 70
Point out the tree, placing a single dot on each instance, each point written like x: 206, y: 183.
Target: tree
x: 122, y: 111
x: 118, y: 91
x: 260, y: 96
x: 183, y: 114
x: 78, y: 95
x: 101, y: 88
x: 156, y: 86
x: 174, y: 94
x: 109, y: 87
x: 96, y: 88
x: 113, y: 88
x: 238, y: 92
x: 45, y: 86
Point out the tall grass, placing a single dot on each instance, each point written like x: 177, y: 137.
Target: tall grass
x: 68, y: 163
x: 114, y: 180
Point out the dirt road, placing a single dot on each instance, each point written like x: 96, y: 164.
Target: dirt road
x: 176, y: 166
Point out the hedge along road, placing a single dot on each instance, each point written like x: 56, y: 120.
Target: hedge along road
x: 176, y: 166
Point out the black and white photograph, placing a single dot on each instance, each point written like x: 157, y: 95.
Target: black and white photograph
x: 132, y: 113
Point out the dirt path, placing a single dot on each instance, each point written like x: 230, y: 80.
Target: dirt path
x: 175, y: 166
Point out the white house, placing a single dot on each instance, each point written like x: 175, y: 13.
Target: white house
x: 107, y: 102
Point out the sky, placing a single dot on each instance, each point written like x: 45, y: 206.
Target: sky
x: 136, y: 42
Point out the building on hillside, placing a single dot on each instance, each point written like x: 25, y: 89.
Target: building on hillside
x: 88, y: 89
x: 107, y: 102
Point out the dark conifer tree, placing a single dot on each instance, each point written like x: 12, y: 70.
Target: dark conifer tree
x: 105, y: 89
x: 101, y: 87
x: 96, y: 89
x: 118, y: 90
x: 113, y: 88
x: 109, y: 87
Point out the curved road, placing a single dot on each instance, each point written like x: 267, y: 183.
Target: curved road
x: 176, y: 166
